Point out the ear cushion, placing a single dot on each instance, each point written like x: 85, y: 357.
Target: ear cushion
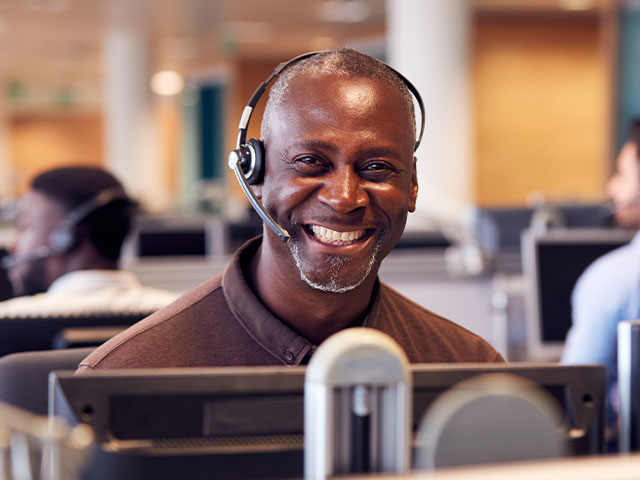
x: 256, y: 147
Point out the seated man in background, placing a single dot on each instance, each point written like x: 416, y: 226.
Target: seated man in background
x: 608, y: 291
x: 339, y: 136
x: 71, y: 226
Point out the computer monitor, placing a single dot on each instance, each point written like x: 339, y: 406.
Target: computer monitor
x: 501, y: 228
x: 167, y: 236
x: 552, y: 263
x: 247, y: 422
x: 42, y: 332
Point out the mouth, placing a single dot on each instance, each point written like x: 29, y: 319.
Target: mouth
x: 333, y: 237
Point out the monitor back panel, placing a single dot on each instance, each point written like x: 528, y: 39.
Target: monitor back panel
x: 248, y: 422
x: 552, y: 263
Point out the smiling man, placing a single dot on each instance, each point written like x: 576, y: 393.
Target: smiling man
x: 340, y: 176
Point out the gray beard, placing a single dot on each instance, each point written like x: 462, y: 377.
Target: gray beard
x: 334, y: 265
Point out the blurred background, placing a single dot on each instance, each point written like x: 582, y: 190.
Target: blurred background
x: 525, y: 99
x: 527, y: 103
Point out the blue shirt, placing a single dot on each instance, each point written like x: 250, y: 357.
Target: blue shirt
x: 607, y: 293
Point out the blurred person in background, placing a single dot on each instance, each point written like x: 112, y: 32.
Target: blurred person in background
x: 71, y: 226
x: 608, y: 291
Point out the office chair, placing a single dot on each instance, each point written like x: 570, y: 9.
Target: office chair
x: 24, y: 376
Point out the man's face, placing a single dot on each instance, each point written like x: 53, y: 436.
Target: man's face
x: 623, y: 187
x: 38, y: 216
x: 340, y: 177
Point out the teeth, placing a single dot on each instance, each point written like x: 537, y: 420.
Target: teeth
x: 326, y: 235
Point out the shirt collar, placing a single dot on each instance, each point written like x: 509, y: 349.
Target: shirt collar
x: 267, y: 330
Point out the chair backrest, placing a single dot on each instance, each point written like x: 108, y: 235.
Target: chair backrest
x: 23, y: 334
x: 24, y: 375
x: 78, y: 337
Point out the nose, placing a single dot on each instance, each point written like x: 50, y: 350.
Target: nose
x: 343, y: 191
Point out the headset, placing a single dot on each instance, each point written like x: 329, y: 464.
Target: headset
x: 247, y: 159
x: 65, y: 235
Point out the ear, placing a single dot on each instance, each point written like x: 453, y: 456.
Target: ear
x: 413, y: 188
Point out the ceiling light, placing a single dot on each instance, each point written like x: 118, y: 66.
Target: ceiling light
x: 167, y: 82
x: 250, y: 32
x: 344, y: 11
x: 576, y: 5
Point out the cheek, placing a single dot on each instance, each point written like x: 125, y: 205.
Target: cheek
x: 396, y: 200
x: 285, y: 190
x: 626, y: 188
x: 28, y: 240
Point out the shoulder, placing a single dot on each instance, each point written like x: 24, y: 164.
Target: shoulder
x: 27, y: 306
x: 139, y: 345
x: 143, y: 298
x: 620, y: 267
x: 614, y: 259
x: 427, y: 336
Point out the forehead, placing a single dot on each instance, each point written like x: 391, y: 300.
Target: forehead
x: 355, y: 103
x: 36, y: 205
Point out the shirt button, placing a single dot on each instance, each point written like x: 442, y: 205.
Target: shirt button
x: 289, y: 356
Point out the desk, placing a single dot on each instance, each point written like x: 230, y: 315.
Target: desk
x: 614, y: 467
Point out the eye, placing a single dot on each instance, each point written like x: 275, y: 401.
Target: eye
x: 310, y: 165
x: 378, y: 170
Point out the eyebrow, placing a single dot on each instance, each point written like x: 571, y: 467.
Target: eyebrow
x: 376, y: 151
x: 314, y: 145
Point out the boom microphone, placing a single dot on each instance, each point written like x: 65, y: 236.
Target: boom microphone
x: 235, y: 165
x: 39, y: 253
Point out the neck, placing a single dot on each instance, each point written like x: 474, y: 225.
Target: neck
x: 85, y: 257
x: 312, y: 313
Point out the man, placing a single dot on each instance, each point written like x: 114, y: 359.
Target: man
x: 340, y: 177
x: 609, y: 289
x: 71, y: 226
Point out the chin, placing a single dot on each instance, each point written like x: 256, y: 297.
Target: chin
x: 337, y: 274
x: 333, y: 285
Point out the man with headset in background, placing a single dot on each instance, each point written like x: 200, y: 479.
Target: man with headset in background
x: 337, y: 177
x: 608, y: 291
x: 71, y: 226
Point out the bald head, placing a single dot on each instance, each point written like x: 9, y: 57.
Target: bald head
x: 343, y: 63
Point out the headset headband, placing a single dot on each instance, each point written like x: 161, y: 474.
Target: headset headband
x: 102, y: 198
x: 247, y: 159
x: 248, y: 110
x: 63, y: 237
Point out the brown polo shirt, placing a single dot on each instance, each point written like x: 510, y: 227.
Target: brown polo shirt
x: 223, y: 323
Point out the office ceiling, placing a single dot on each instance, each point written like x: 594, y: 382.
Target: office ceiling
x: 58, y: 44
x: 51, y: 51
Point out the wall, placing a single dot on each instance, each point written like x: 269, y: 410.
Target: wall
x: 541, y: 104
x: 248, y: 74
x: 629, y: 71
x: 38, y: 142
